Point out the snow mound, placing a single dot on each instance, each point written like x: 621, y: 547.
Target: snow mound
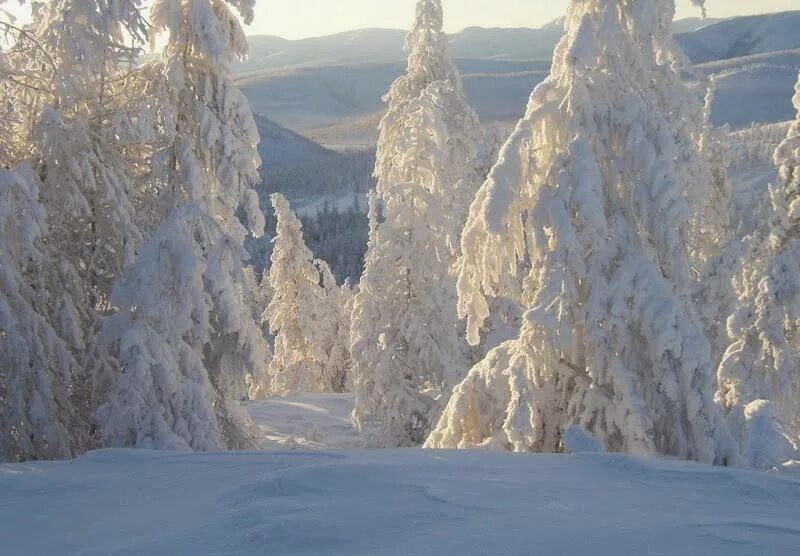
x: 767, y: 446
x: 391, y: 502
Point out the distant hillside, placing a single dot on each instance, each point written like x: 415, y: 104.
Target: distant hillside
x: 315, y: 98
x: 326, y: 188
x: 301, y: 168
x: 330, y: 88
x: 369, y: 46
x: 742, y: 36
x: 283, y: 147
x: 388, y: 45
x: 754, y: 89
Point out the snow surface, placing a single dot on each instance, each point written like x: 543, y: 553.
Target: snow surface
x: 391, y: 502
x: 306, y: 421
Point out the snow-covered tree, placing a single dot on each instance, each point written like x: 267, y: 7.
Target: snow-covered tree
x: 716, y: 237
x: 335, y: 337
x: 206, y: 164
x: 430, y: 69
x: 765, y: 444
x: 586, y: 191
x: 36, y: 415
x: 299, y: 309
x: 164, y: 397
x: 257, y: 298
x: 406, y: 352
x: 65, y: 108
x: 404, y: 343
x: 763, y: 361
x: 80, y: 131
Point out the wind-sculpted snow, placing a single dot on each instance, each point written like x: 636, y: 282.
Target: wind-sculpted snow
x: 391, y: 502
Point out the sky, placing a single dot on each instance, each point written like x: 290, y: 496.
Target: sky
x: 294, y: 19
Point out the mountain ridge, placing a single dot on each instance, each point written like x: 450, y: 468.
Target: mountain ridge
x: 330, y: 88
x: 703, y: 39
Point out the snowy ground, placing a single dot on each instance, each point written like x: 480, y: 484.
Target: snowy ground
x: 410, y: 502
x: 306, y: 421
x: 305, y: 501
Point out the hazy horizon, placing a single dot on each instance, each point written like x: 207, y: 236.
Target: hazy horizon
x: 315, y: 18
x: 303, y: 19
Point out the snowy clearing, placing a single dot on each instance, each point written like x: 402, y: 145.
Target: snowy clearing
x: 306, y: 421
x: 408, y: 502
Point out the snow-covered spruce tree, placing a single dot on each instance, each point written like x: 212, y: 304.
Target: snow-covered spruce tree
x: 587, y: 190
x: 206, y: 164
x: 163, y: 398
x: 763, y: 361
x: 336, y: 330
x: 298, y: 309
x: 79, y: 135
x: 405, y: 349
x: 36, y: 415
x: 429, y: 63
x: 699, y: 151
x: 65, y: 107
x: 718, y: 240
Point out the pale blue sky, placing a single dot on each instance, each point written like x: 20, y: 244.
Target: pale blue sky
x: 296, y: 19
x: 304, y: 18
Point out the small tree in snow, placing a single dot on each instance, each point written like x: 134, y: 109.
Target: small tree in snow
x: 304, y: 314
x: 336, y: 330
x: 587, y: 190
x: 765, y: 444
x: 763, y: 362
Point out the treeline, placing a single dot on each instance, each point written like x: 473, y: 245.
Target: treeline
x: 339, y: 237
